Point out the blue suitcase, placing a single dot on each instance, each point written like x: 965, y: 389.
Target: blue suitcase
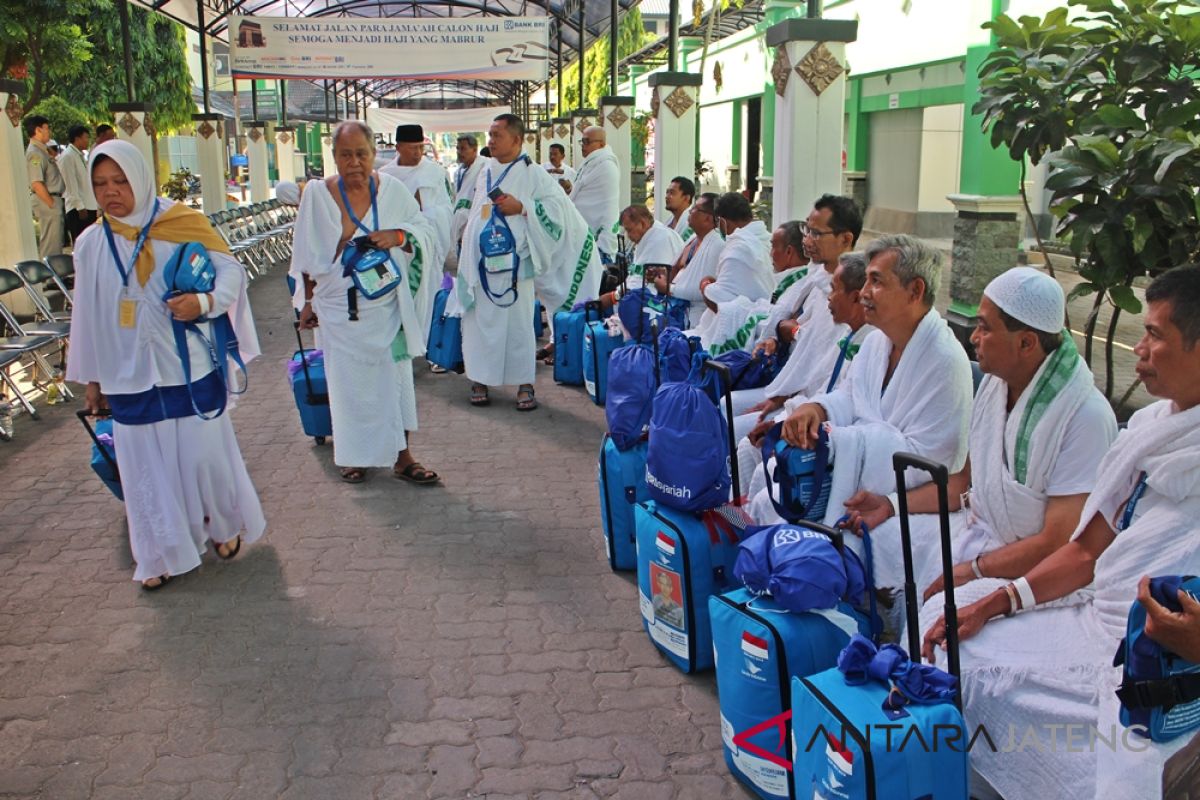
x: 311, y: 393
x: 568, y: 342
x: 758, y: 647
x: 598, y: 345
x: 104, y: 455
x: 445, y: 336
x: 840, y: 746
x: 622, y: 480
x: 682, y: 559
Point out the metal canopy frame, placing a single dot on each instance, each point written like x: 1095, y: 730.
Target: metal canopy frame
x: 213, y: 16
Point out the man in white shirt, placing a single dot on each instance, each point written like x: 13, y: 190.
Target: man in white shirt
x: 465, y: 178
x: 78, y: 199
x: 557, y: 169
x: 654, y: 244
x: 680, y: 194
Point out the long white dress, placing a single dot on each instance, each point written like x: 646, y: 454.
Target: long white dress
x: 596, y: 193
x: 184, y: 480
x: 369, y: 408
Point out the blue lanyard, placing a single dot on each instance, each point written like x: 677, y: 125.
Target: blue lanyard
x: 490, y: 185
x: 1131, y: 503
x: 837, y: 367
x: 350, y: 211
x: 462, y: 175
x: 137, y: 247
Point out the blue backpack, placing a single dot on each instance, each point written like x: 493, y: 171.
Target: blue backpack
x: 638, y: 308
x: 631, y: 387
x: 190, y: 270
x: 687, y: 464
x: 675, y: 354
x: 804, y: 476
x: 749, y: 371
x: 1160, y: 692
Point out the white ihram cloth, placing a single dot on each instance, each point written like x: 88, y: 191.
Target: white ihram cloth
x: 1053, y: 665
x: 743, y: 271
x: 821, y: 345
x: 811, y: 358
x: 680, y: 225
x: 371, y: 401
x: 925, y: 409
x: 596, y: 193
x: 184, y: 480
x: 1066, y: 445
x: 427, y: 181
x: 794, y: 304
x: 555, y: 248
x: 703, y: 263
x: 659, y: 245
x: 563, y: 173
x: 466, y: 181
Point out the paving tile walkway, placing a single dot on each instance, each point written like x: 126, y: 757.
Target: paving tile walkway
x: 382, y: 641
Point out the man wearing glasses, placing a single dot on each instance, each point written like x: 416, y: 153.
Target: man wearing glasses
x: 595, y: 191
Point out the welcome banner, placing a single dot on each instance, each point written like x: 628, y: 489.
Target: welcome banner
x: 484, y: 48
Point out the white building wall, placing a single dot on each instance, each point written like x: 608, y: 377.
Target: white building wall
x: 716, y: 144
x: 941, y: 157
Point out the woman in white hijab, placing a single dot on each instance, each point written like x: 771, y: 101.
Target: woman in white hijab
x: 183, y: 477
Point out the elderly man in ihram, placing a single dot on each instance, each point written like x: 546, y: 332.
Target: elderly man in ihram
x: 1038, y: 429
x: 1050, y: 668
x: 524, y: 235
x: 466, y: 177
x: 909, y: 388
x: 596, y: 189
x: 369, y: 343
x: 654, y: 243
x: 184, y: 481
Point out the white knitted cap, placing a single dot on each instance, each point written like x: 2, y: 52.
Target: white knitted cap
x: 1030, y: 296
x: 288, y: 193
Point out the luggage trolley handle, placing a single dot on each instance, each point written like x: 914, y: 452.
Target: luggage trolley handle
x: 726, y: 376
x: 941, y: 479
x: 313, y: 398
x: 83, y: 415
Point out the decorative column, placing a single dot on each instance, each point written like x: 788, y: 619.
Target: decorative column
x: 328, y: 165
x: 987, y: 231
x: 545, y: 130
x: 256, y: 156
x: 673, y: 103
x: 529, y: 146
x: 810, y: 97
x: 17, y: 238
x: 285, y: 147
x: 581, y: 118
x: 135, y: 126
x: 616, y: 115
x: 210, y: 159
x: 562, y: 135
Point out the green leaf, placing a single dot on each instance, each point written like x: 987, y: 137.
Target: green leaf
x: 1119, y: 117
x: 1124, y: 299
x: 1082, y: 290
x: 1176, y: 115
x: 1102, y: 147
x: 1174, y: 152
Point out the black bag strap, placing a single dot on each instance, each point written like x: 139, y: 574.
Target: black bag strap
x: 83, y: 415
x: 724, y: 373
x: 1160, y: 692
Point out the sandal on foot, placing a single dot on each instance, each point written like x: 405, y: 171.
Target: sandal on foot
x: 528, y: 402
x: 354, y: 474
x: 479, y: 395
x: 234, y: 548
x: 438, y: 370
x: 546, y: 352
x: 415, y: 473
x: 163, y: 580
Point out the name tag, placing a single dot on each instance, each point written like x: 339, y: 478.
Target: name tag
x: 485, y: 211
x: 127, y: 312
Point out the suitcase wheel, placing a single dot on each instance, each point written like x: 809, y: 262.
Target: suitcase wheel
x: 320, y: 439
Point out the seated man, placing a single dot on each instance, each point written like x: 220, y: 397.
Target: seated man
x: 680, y: 195
x: 828, y: 347
x: 1038, y: 429
x: 1051, y: 666
x: 908, y: 389
x: 743, y: 278
x: 832, y: 228
x: 654, y: 243
x: 700, y: 256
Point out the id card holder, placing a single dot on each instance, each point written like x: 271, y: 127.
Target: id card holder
x: 127, y: 312
x: 498, y: 263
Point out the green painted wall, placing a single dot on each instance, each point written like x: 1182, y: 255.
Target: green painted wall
x: 985, y: 170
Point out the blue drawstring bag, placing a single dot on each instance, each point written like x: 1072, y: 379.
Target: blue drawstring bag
x: 687, y: 462
x: 799, y: 565
x: 750, y: 372
x: 804, y: 476
x: 675, y: 354
x: 639, y: 307
x: 630, y: 394
x: 1160, y: 692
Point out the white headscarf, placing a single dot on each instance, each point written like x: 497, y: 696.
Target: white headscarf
x: 137, y: 172
x: 287, y: 192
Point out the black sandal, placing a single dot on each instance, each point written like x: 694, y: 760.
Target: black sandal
x: 415, y: 473
x: 479, y: 395
x: 233, y: 551
x: 163, y: 580
x: 354, y: 474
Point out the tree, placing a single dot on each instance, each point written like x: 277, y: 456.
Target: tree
x: 62, y: 116
x: 160, y: 71
x: 42, y: 40
x: 631, y: 37
x: 1109, y: 98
